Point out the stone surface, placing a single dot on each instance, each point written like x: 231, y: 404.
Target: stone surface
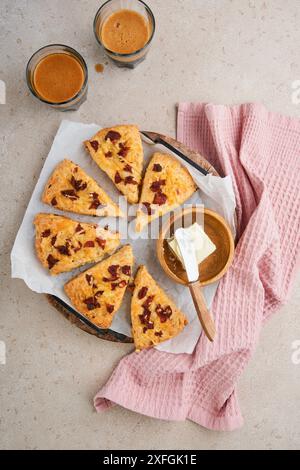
x: 223, y: 52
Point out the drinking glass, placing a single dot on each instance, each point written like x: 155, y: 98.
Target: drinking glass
x: 132, y: 59
x: 71, y: 104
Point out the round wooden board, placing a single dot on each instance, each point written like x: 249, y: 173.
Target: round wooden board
x: 73, y: 318
x: 78, y: 320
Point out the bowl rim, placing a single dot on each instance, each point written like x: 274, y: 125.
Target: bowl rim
x: 170, y: 221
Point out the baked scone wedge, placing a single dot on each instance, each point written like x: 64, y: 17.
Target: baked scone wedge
x: 98, y: 292
x: 69, y: 188
x: 119, y: 152
x: 167, y: 184
x: 63, y: 244
x: 154, y: 316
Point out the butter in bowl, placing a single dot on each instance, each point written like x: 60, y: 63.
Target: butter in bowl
x: 197, y: 238
x: 213, y: 240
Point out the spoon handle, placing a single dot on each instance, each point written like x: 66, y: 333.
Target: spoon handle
x: 204, y: 315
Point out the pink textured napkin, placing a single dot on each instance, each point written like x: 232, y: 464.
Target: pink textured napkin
x: 261, y: 151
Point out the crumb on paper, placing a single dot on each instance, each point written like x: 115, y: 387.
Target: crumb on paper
x: 99, y: 68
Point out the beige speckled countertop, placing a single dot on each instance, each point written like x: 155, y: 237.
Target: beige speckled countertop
x: 223, y: 51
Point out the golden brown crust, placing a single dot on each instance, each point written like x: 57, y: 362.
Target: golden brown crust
x: 98, y: 292
x: 63, y: 244
x: 69, y: 188
x: 167, y: 184
x: 118, y: 151
x: 155, y: 318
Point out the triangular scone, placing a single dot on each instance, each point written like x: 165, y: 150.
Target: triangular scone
x: 69, y: 188
x: 119, y: 152
x: 167, y: 184
x: 63, y: 244
x: 98, y: 292
x: 155, y: 318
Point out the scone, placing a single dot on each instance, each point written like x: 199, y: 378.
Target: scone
x: 63, y: 244
x: 155, y: 318
x: 119, y: 152
x: 167, y: 184
x: 71, y: 189
x: 98, y: 292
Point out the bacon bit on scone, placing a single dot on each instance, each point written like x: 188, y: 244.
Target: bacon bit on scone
x: 142, y: 292
x: 53, y: 240
x: 113, y: 136
x: 89, y: 244
x: 70, y: 193
x: 123, y: 150
x: 64, y: 249
x: 94, y: 144
x: 128, y: 168
x: 91, y: 303
x: 78, y: 185
x: 122, y: 283
x: 130, y: 180
x: 80, y: 229
x: 46, y: 233
x: 118, y: 178
x: 113, y: 270
x: 158, y: 333
x: 149, y: 326
x: 108, y: 154
x: 98, y: 293
x: 95, y: 201
x: 53, y: 201
x: 126, y: 270
x: 51, y: 261
x: 145, y: 320
x: 163, y: 313
x: 131, y: 286
x: 146, y: 208
x: 113, y: 285
x: 101, y: 242
x: 156, y: 185
x: 160, y: 198
x: 110, y: 308
x: 148, y: 301
x: 89, y: 279
x: 157, y: 167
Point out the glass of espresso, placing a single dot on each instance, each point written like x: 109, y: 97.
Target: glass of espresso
x: 125, y: 30
x: 58, y: 75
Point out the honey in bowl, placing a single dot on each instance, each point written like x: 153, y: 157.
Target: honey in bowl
x: 125, y: 32
x: 58, y: 77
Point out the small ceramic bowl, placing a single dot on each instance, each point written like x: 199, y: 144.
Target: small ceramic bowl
x: 215, y: 265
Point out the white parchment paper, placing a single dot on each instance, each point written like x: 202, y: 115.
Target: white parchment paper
x: 214, y: 192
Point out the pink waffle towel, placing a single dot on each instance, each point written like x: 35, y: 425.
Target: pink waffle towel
x: 261, y: 152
